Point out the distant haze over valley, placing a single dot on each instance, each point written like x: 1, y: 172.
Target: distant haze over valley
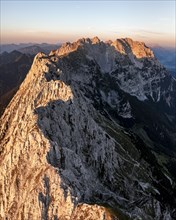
x: 31, y: 48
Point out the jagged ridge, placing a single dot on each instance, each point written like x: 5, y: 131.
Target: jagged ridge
x: 64, y: 141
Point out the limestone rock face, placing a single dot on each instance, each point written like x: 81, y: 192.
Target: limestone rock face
x: 139, y: 49
x: 64, y: 151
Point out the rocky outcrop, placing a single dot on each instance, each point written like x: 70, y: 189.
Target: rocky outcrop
x: 65, y: 153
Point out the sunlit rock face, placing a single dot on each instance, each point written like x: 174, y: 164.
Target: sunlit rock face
x: 138, y: 49
x: 73, y: 145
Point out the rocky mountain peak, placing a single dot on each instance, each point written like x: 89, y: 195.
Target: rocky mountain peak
x: 139, y: 49
x: 95, y: 40
x: 79, y: 139
x: 124, y: 46
x: 108, y: 54
x: 70, y: 47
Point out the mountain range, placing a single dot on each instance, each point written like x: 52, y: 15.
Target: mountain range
x: 9, y: 53
x: 91, y: 134
x: 28, y: 48
x: 167, y: 56
x: 13, y: 69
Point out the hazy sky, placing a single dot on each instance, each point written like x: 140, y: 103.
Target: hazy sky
x: 151, y: 21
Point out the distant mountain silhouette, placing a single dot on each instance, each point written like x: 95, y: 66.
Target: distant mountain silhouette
x: 29, y: 48
x: 13, y: 68
x: 167, y: 56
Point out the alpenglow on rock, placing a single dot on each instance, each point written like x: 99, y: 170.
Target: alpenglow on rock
x: 91, y: 135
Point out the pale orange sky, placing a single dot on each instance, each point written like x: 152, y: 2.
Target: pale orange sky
x: 56, y: 37
x: 152, y: 22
